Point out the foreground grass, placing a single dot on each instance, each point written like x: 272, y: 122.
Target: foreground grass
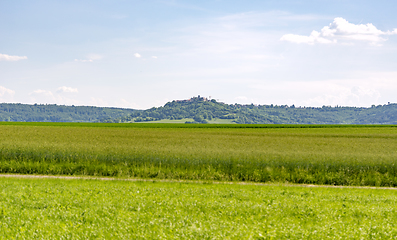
x: 335, y: 155
x: 91, y: 209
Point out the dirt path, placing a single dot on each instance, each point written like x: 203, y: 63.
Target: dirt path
x: 185, y: 181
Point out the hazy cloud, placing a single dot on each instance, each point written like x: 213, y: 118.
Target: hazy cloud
x: 90, y: 58
x: 45, y: 96
x: 98, y: 102
x: 6, y: 95
x: 41, y: 92
x: 315, y: 37
x: 6, y: 91
x: 5, y: 57
x: 241, y: 98
x: 182, y: 6
x: 259, y: 19
x: 361, y: 89
x: 83, y: 60
x: 341, y: 29
x: 137, y: 55
x: 94, y: 56
x: 65, y: 89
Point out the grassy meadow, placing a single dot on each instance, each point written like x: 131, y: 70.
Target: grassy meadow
x: 213, y: 121
x: 313, y: 154
x: 92, y: 209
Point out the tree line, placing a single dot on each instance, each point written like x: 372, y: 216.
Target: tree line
x: 202, y: 110
x: 17, y: 112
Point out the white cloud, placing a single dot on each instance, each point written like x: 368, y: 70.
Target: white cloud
x: 341, y: 29
x: 6, y: 95
x: 64, y: 89
x: 94, y: 56
x: 83, y: 60
x: 42, y: 96
x: 137, y: 55
x: 90, y: 58
x: 5, y: 91
x: 361, y: 89
x: 41, y: 92
x: 48, y: 97
x: 155, y: 57
x: 5, y: 57
x: 99, y: 102
x: 315, y: 37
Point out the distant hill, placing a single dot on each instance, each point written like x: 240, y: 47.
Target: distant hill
x: 18, y: 112
x: 202, y: 110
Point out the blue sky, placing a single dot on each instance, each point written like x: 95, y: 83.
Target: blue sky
x: 140, y: 54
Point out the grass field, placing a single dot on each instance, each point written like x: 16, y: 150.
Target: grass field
x: 213, y: 121
x: 320, y: 154
x: 92, y: 209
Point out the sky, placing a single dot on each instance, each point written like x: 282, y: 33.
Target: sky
x: 142, y: 54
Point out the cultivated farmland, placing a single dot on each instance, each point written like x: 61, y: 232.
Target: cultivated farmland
x: 91, y: 209
x: 320, y: 154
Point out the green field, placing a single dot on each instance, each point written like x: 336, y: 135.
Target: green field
x: 92, y: 209
x: 213, y: 121
x: 316, y: 154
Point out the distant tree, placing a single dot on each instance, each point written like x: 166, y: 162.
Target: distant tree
x: 198, y: 118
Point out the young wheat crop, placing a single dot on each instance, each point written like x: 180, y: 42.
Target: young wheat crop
x: 330, y: 155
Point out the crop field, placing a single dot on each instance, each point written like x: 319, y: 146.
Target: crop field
x: 93, y: 209
x: 213, y: 121
x: 313, y: 154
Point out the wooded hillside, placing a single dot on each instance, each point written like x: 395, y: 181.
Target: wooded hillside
x: 203, y: 110
x: 17, y: 112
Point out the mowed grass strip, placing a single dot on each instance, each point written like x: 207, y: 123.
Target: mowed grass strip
x: 92, y: 209
x: 363, y: 156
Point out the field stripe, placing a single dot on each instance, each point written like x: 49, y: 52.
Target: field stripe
x: 187, y: 181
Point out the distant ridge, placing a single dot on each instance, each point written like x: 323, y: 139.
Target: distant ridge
x: 203, y: 110
x: 17, y: 112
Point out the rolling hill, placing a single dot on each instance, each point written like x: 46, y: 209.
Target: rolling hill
x: 17, y: 112
x: 202, y: 110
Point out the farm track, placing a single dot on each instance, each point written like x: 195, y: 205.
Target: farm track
x: 186, y: 181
